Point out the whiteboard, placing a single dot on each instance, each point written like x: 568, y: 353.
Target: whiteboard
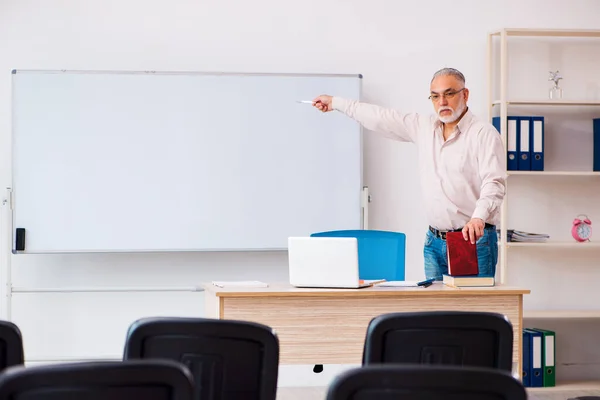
x: 106, y: 161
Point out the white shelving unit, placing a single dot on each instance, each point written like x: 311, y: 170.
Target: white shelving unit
x: 500, y: 103
x: 505, y: 103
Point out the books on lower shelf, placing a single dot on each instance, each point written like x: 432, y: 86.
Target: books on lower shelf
x: 468, y: 281
x: 514, y: 235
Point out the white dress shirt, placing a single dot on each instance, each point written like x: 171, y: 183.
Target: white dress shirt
x: 462, y: 178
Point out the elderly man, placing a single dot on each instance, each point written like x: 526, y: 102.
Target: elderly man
x: 462, y: 166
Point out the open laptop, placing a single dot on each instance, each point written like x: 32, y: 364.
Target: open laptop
x: 324, y: 262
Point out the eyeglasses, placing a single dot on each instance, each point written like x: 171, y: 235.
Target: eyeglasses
x: 448, y: 95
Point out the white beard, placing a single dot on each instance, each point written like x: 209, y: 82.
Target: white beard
x: 455, y: 113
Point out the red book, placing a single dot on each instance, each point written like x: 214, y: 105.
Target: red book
x: 462, y: 255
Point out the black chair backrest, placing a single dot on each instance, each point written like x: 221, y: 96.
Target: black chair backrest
x: 11, y: 345
x: 479, y: 339
x: 425, y: 382
x: 228, y: 359
x: 114, y: 380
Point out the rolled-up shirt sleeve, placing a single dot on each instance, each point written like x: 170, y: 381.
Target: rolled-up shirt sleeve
x: 492, y: 172
x: 388, y: 122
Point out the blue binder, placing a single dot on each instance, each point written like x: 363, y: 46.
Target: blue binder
x: 536, y: 129
x: 512, y: 140
x: 526, y: 360
x: 536, y: 368
x: 524, y: 143
x: 597, y: 144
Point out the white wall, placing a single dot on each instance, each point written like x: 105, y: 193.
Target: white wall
x: 396, y: 46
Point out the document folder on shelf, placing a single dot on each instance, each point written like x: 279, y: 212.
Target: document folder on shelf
x: 512, y: 141
x: 526, y: 359
x: 548, y: 356
x: 524, y: 150
x: 596, y: 127
x: 536, y: 374
x: 537, y: 143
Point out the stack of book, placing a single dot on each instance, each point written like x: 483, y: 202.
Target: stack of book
x: 468, y: 281
x: 463, y: 266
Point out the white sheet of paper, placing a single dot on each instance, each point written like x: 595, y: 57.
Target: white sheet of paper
x: 372, y: 281
x: 398, y: 284
x: 239, y: 284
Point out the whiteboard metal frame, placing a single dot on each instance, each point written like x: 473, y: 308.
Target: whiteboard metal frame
x: 7, y: 222
x: 226, y: 73
x: 365, y: 197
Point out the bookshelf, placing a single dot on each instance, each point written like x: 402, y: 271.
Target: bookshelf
x: 502, y: 101
x: 506, y: 104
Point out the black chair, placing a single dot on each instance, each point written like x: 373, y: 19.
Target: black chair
x: 11, y: 345
x: 114, y: 380
x: 228, y: 359
x: 425, y: 382
x: 478, y: 339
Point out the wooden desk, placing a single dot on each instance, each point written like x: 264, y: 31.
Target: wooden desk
x: 328, y: 326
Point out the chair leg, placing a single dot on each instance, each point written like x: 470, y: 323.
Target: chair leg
x: 318, y: 368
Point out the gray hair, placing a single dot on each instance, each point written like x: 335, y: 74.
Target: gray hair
x: 450, y: 71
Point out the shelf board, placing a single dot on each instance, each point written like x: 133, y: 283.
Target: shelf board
x: 554, y: 173
x: 533, y: 102
x: 567, y: 386
x: 548, y: 32
x: 561, y: 314
x: 569, y: 245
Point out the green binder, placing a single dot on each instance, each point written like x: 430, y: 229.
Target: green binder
x: 548, y: 356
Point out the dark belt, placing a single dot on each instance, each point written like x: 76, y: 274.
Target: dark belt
x: 442, y: 234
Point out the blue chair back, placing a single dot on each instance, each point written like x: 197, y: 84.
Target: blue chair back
x: 381, y: 254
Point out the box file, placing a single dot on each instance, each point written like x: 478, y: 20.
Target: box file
x: 537, y: 143
x: 536, y: 375
x: 548, y: 356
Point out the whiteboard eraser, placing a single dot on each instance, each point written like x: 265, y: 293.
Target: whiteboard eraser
x: 20, y: 240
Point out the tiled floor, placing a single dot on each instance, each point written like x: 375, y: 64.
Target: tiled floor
x: 301, y: 393
x: 318, y: 393
x: 562, y: 395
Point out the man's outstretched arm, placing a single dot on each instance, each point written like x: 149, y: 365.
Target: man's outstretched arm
x: 386, y: 121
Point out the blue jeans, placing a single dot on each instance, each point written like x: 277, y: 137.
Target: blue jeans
x: 435, y: 253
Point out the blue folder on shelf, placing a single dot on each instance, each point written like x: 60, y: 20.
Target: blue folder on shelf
x: 597, y: 144
x: 526, y: 359
x: 524, y: 147
x: 532, y: 341
x: 537, y: 143
x: 525, y: 142
x: 512, y: 141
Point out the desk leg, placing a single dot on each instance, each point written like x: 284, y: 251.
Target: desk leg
x: 520, y: 341
x: 213, y: 306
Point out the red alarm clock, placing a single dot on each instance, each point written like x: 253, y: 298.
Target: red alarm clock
x: 582, y: 228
